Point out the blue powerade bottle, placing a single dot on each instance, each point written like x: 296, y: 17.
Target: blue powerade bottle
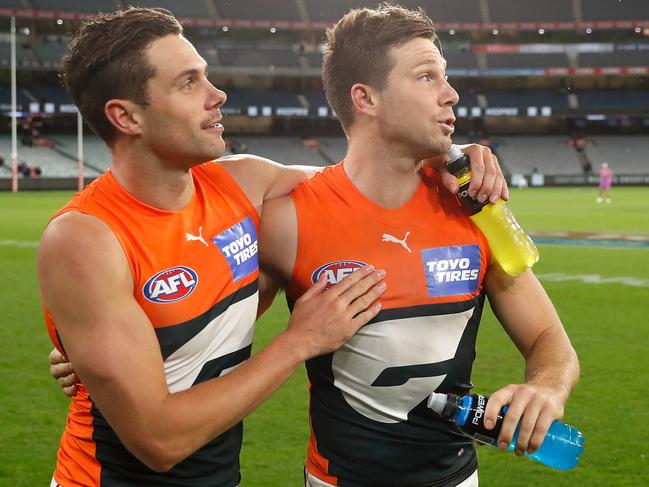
x: 560, y: 449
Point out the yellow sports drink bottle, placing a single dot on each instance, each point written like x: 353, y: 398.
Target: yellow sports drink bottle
x: 510, y: 246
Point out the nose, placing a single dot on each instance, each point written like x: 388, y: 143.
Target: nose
x: 216, y: 98
x: 451, y: 96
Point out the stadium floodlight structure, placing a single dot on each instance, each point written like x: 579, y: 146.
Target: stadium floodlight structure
x: 14, y: 112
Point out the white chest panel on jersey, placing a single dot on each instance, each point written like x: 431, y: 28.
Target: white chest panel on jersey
x: 229, y: 332
x: 422, y: 342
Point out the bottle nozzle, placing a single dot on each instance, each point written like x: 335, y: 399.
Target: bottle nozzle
x: 437, y: 402
x: 454, y: 153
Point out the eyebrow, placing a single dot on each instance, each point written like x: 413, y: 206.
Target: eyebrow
x: 193, y: 72
x: 432, y: 61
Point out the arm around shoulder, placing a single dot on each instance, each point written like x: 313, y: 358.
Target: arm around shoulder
x: 263, y: 179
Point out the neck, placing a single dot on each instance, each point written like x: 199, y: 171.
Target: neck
x: 386, y: 176
x: 151, y: 181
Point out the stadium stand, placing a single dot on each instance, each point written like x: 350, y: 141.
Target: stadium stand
x: 12, y: 4
x: 626, y: 10
x: 497, y: 60
x: 75, y: 6
x: 267, y: 58
x: 558, y: 59
x: 607, y: 99
x: 331, y: 10
x: 529, y: 11
x: 194, y: 8
x: 444, y: 11
x: 624, y: 154
x: 536, y: 98
x: 617, y: 58
x: 259, y: 10
x: 456, y: 59
x: 57, y: 161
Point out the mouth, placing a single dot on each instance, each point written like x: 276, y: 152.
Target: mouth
x: 212, y: 125
x: 448, y: 125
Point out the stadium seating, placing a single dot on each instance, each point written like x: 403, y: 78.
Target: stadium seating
x: 259, y: 10
x: 619, y: 10
x: 527, y: 60
x: 617, y: 58
x: 75, y: 6
x: 534, y: 98
x: 460, y: 60
x: 529, y: 11
x: 266, y: 58
x: 61, y: 159
x: 12, y: 4
x: 194, y: 8
x: 611, y: 99
x: 445, y: 11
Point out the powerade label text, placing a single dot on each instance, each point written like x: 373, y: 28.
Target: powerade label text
x: 451, y: 270
x: 238, y: 244
x: 336, y: 271
x: 170, y: 285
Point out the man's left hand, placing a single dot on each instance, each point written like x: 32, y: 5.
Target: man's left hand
x: 487, y: 180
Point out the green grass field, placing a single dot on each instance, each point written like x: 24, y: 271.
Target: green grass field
x: 607, y: 321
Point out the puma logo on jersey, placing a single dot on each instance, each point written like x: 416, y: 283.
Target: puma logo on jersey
x: 391, y: 238
x: 198, y: 237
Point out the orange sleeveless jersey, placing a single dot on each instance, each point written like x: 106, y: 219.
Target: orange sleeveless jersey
x: 368, y: 415
x: 195, y: 275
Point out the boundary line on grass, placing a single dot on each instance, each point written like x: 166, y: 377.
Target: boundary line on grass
x: 595, y: 279
x: 22, y: 244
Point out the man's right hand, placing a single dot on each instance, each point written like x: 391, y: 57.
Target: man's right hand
x: 324, y: 319
x: 63, y: 372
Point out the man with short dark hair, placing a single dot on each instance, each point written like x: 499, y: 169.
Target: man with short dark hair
x: 385, y: 78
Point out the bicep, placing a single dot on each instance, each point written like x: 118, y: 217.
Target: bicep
x: 106, y: 334
x: 522, y: 307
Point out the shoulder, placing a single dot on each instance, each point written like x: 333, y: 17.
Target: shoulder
x: 77, y: 243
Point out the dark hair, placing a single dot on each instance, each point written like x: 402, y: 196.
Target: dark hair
x: 106, y: 60
x: 356, y: 51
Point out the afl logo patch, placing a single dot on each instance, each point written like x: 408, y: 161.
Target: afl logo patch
x: 171, y: 285
x: 336, y: 271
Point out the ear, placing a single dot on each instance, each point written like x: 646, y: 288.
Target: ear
x: 364, y: 98
x: 124, y: 115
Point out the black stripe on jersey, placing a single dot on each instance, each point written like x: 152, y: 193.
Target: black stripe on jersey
x: 397, y: 376
x: 415, y: 311
x: 425, y: 310
x: 173, y: 337
x: 213, y: 368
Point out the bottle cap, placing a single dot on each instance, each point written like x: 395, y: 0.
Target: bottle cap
x: 457, y: 160
x: 437, y: 401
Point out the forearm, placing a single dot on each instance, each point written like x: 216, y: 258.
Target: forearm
x: 530, y: 319
x: 552, y: 363
x: 173, y: 430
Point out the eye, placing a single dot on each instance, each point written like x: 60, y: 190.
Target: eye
x: 426, y: 77
x: 188, y: 84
